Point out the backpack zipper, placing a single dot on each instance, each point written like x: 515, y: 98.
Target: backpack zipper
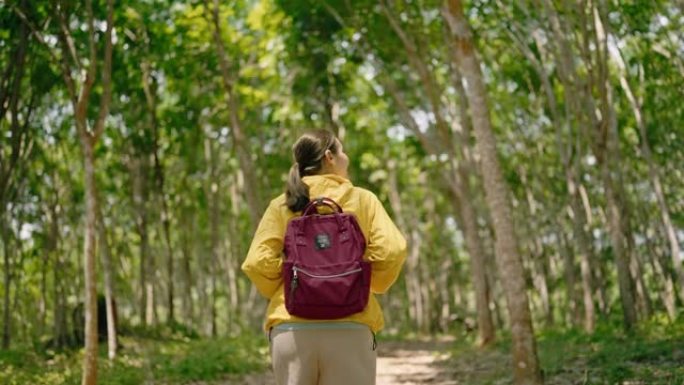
x: 295, y: 278
x: 295, y: 269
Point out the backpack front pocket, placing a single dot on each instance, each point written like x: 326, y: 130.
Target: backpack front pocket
x: 335, y: 290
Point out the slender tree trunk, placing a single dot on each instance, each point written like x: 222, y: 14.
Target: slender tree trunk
x: 667, y: 290
x: 412, y: 279
x: 236, y: 253
x: 7, y: 274
x: 525, y: 362
x: 476, y: 252
x: 579, y: 221
x: 654, y: 175
x: 540, y: 277
x: 446, y: 268
x: 22, y: 330
x: 88, y: 139
x: 214, y: 230
x: 570, y: 273
x: 60, y: 338
x: 90, y: 276
x: 625, y: 281
x: 607, y: 153
x: 108, y: 271
x: 149, y: 87
x: 461, y: 201
x: 474, y: 242
x: 10, y: 93
x: 202, y: 280
x: 637, y: 269
x: 42, y: 304
x: 140, y: 202
x: 186, y: 247
x: 242, y: 147
x: 585, y: 254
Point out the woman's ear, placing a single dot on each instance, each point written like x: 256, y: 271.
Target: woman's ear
x: 328, y: 155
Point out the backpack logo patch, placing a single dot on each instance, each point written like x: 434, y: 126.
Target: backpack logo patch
x: 322, y: 241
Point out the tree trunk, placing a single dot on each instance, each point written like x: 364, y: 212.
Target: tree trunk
x: 446, y: 268
x: 6, y: 315
x: 540, y: 274
x: 625, y: 282
x: 474, y: 245
x: 570, y: 273
x: 462, y: 203
x: 242, y: 147
x: 187, y: 235
x: 654, y: 175
x: 667, y: 290
x: 139, y: 170
x: 60, y: 337
x: 42, y: 303
x: 10, y: 95
x: 214, y: 233
x: 236, y: 253
x: 606, y: 150
x: 88, y: 139
x: 108, y: 270
x: 566, y: 121
x: 149, y: 87
x: 525, y: 362
x: 90, y: 275
x: 585, y: 255
x: 411, y: 278
x: 637, y: 269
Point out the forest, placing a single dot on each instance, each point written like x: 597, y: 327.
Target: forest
x: 530, y: 151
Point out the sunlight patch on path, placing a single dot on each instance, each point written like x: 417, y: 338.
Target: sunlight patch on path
x: 408, y: 363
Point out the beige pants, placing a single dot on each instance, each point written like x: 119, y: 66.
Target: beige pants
x: 323, y: 357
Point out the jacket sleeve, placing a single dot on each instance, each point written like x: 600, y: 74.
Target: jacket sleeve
x: 386, y: 248
x: 264, y: 261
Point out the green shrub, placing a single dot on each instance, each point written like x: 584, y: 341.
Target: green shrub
x: 177, y: 359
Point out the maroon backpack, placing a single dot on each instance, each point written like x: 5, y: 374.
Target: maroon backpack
x: 324, y: 272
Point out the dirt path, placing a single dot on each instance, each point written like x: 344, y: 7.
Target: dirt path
x: 415, y: 362
x: 399, y: 363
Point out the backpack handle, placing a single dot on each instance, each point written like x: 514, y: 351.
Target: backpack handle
x: 312, y: 207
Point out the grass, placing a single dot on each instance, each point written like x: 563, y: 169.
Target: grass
x: 653, y: 354
x: 153, y: 356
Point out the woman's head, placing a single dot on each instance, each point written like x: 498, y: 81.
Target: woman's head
x: 316, y: 152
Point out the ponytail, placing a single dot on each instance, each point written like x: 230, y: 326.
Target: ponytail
x: 308, y: 151
x: 296, y: 192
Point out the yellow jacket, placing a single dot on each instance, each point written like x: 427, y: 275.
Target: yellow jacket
x: 386, y: 248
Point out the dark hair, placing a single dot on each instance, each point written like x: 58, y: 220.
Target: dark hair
x: 308, y: 151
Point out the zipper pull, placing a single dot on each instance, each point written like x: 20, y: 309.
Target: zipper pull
x: 295, y: 280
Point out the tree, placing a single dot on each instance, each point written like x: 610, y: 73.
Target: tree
x: 525, y: 361
x: 79, y: 91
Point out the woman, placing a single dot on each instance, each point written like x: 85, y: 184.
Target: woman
x: 315, y: 352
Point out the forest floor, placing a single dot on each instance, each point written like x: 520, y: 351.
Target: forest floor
x: 652, y: 355
x: 566, y: 359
